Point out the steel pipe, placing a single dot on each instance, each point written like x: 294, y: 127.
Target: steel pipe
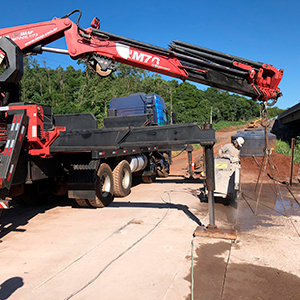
x: 210, y: 179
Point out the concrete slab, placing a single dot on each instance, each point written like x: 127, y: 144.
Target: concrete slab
x: 141, y: 247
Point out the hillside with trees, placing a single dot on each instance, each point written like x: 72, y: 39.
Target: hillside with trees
x: 74, y: 91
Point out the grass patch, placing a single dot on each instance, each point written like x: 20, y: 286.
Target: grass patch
x: 284, y: 148
x: 229, y: 125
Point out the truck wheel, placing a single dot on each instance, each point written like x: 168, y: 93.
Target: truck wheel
x: 31, y: 196
x: 164, y: 169
x: 59, y: 187
x: 35, y: 193
x: 122, y: 179
x: 148, y: 179
x: 153, y: 171
x: 83, y: 202
x: 162, y: 173
x: 104, y: 187
x: 18, y: 200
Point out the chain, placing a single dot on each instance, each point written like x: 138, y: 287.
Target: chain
x: 264, y: 121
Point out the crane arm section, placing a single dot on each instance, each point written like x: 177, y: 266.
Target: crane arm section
x: 181, y: 60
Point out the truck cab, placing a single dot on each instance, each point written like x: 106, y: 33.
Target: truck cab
x: 141, y: 104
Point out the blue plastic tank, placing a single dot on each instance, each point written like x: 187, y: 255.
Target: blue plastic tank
x: 255, y: 142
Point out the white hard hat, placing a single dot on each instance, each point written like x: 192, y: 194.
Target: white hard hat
x: 240, y: 141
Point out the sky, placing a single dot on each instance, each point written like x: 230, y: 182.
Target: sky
x: 265, y: 31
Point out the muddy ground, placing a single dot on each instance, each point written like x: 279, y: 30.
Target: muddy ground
x: 263, y: 262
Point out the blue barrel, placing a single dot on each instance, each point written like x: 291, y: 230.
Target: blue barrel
x: 255, y: 142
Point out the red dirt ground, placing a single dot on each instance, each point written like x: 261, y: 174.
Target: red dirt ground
x: 180, y: 162
x: 281, y: 167
x: 250, y: 169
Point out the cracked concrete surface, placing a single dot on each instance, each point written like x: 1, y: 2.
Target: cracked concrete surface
x: 140, y: 247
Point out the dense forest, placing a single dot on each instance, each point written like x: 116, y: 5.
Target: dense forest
x: 73, y: 91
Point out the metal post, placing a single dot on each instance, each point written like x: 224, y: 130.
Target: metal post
x: 190, y: 161
x: 211, y: 230
x: 292, y: 160
x: 210, y: 181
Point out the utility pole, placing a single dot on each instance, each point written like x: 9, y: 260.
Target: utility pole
x: 211, y: 114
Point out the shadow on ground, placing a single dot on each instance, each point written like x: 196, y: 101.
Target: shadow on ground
x: 180, y: 207
x: 18, y: 215
x: 8, y: 287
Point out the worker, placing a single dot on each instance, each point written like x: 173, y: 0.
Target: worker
x: 232, y: 151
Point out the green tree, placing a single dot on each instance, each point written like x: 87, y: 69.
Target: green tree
x: 73, y: 91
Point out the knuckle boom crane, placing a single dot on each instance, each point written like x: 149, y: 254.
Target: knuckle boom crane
x: 38, y: 148
x: 182, y: 60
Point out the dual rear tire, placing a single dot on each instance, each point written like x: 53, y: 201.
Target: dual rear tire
x: 103, y: 187
x: 109, y: 184
x: 122, y: 177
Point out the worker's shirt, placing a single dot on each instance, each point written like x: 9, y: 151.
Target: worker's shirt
x: 229, y: 151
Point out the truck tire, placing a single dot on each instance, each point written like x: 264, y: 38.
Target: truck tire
x: 59, y: 187
x: 162, y: 173
x: 104, y: 187
x: 148, y: 179
x: 153, y: 171
x: 18, y: 200
x: 34, y: 194
x: 83, y: 202
x: 164, y: 169
x: 31, y: 195
x: 122, y: 179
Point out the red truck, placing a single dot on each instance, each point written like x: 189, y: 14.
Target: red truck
x: 40, y: 151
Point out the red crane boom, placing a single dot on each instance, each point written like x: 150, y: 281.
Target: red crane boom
x: 182, y: 60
